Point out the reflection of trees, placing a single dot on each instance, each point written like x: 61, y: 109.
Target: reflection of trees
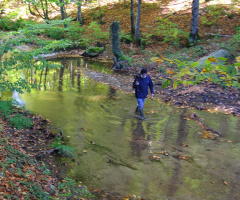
x: 40, y: 80
x: 138, y: 143
x: 112, y: 92
x: 78, y: 74
x: 72, y: 75
x: 61, y: 76
x: 182, y: 135
x: 45, y: 78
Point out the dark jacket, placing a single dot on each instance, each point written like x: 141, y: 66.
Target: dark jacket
x: 141, y: 90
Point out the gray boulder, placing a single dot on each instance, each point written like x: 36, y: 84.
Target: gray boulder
x: 87, y: 54
x: 215, y: 54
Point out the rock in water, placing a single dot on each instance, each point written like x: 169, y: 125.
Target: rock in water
x: 17, y: 99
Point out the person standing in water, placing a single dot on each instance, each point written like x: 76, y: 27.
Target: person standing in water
x: 141, y: 84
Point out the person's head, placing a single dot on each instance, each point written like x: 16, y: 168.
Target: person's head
x: 143, y: 72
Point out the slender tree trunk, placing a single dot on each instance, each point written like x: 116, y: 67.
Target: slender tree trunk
x: 193, y: 36
x: 79, y: 14
x: 42, y: 16
x: 132, y: 18
x: 31, y: 12
x: 137, y: 30
x: 1, y: 19
x: 124, y: 3
x: 44, y: 10
x: 62, y: 10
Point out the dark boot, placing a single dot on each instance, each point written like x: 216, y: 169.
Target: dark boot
x: 137, y: 109
x: 141, y: 113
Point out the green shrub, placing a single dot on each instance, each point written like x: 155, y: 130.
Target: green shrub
x: 74, y: 31
x: 56, y: 33
x: 95, y: 32
x: 124, y: 57
x: 167, y: 31
x: 9, y: 24
x: 63, y: 149
x: 213, y: 14
x: 188, y: 73
x: 94, y: 49
x: 6, y: 108
x: 98, y: 13
x: 127, y: 38
x: 19, y: 121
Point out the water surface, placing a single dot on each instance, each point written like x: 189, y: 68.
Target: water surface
x: 99, y: 122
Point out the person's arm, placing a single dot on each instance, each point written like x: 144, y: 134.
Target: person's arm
x: 135, y: 83
x: 151, y: 87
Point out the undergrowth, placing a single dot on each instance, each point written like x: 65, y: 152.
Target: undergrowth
x: 30, y: 176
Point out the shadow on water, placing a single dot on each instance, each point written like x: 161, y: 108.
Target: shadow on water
x: 163, y: 157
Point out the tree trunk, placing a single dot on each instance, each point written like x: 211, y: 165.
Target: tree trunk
x: 124, y: 3
x: 1, y: 19
x: 137, y: 30
x: 31, y: 12
x: 132, y: 18
x: 43, y: 10
x: 46, y: 8
x: 193, y: 36
x: 62, y: 10
x: 79, y: 14
x: 115, y: 40
x: 115, y: 44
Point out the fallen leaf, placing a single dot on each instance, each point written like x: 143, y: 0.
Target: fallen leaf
x: 225, y: 183
x: 212, y: 59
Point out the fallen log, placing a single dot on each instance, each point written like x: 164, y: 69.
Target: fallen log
x: 218, y: 35
x: 51, y: 151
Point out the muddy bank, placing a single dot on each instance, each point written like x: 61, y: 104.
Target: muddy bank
x: 206, y: 96
x: 26, y: 163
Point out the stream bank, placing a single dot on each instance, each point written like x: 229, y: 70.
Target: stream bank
x: 207, y: 96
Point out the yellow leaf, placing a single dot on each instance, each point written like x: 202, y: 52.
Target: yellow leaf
x: 225, y: 183
x: 223, y: 73
x: 212, y: 59
x: 170, y: 72
x: 154, y: 58
x: 217, y: 67
x: 185, y: 83
x: 159, y: 61
x: 175, y: 85
x: 204, y: 70
x: 238, y: 59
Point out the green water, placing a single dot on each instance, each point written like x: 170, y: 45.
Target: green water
x: 99, y: 122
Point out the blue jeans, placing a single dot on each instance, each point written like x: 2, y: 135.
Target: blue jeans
x: 140, y: 102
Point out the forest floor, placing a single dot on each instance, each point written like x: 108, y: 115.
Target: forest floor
x: 17, y: 176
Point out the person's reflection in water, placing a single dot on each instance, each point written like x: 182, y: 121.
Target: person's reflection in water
x: 138, y: 143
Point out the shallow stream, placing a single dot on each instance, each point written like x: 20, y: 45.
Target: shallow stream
x: 161, y: 157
